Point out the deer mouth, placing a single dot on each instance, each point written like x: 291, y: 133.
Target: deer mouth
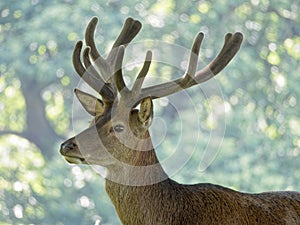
x: 71, y: 154
x: 74, y: 159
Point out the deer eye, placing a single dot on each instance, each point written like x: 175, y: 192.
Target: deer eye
x: 118, y: 128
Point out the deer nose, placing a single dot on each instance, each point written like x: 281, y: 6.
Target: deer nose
x: 67, y: 146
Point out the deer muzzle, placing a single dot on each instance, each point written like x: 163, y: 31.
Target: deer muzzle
x: 69, y: 150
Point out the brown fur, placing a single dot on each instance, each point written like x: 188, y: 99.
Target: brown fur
x: 170, y: 203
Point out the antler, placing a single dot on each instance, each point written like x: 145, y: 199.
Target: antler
x: 95, y: 70
x: 191, y: 77
x: 109, y: 80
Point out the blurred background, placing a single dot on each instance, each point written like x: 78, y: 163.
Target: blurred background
x: 260, y: 87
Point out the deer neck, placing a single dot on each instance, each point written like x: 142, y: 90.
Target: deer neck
x: 132, y: 200
x: 141, y: 168
x: 132, y: 184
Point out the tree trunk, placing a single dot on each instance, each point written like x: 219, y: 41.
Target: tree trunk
x: 38, y: 130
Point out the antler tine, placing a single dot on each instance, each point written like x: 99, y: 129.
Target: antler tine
x: 89, y: 38
x: 193, y: 61
x: 102, y: 65
x: 118, y: 75
x: 231, y: 46
x: 195, y: 54
x: 130, y: 29
x: 97, y: 84
x: 136, y: 88
x: 87, y: 62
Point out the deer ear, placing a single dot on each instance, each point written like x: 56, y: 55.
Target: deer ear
x: 145, y: 113
x: 91, y: 104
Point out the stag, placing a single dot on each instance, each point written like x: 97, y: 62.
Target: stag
x: 118, y: 139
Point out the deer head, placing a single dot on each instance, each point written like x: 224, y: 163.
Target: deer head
x: 118, y: 137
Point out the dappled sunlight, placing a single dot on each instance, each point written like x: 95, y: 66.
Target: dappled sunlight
x: 258, y: 105
x: 12, y: 146
x: 31, y: 186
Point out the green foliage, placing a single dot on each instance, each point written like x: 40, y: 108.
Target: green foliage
x: 10, y: 89
x: 33, y: 190
x: 260, y: 148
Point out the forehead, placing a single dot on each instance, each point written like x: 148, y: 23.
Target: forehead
x: 113, y: 115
